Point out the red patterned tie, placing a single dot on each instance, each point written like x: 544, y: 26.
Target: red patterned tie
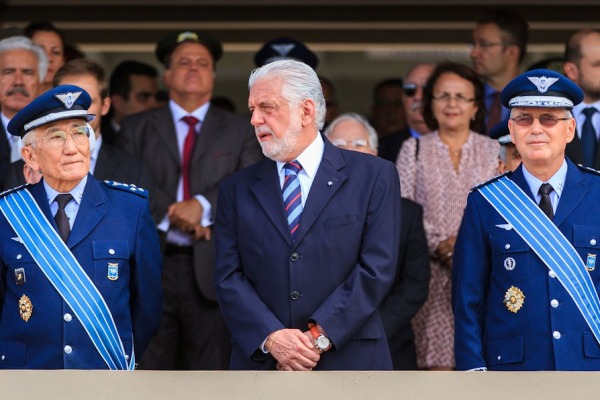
x: 188, y: 149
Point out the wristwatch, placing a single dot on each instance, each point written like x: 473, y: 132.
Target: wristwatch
x: 321, y: 341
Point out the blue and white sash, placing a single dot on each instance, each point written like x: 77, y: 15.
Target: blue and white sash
x: 68, y: 277
x: 548, y: 243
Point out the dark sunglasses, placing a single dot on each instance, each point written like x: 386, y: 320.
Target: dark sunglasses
x: 411, y: 88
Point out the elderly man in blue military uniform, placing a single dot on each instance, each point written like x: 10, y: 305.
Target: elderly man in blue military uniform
x: 525, y: 282
x: 80, y: 265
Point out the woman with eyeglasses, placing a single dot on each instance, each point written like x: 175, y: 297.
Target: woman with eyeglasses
x: 437, y: 171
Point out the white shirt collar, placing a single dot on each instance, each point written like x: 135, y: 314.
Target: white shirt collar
x: 557, y: 180
x: 179, y: 112
x: 310, y: 158
x: 76, y: 192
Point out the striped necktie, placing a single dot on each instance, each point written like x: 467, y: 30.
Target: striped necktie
x: 292, y: 196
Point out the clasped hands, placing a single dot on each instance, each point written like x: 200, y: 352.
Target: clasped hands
x: 293, y: 349
x: 186, y: 216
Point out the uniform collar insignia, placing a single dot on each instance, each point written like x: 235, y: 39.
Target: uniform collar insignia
x: 68, y: 99
x: 283, y: 49
x: 542, y: 83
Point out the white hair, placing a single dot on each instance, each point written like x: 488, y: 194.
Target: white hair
x: 24, y: 43
x: 373, y: 140
x: 299, y: 82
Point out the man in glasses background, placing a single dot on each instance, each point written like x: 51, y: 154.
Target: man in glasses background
x: 498, y: 47
x: 525, y: 279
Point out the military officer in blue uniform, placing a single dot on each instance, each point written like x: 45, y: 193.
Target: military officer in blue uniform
x: 525, y: 281
x: 80, y: 265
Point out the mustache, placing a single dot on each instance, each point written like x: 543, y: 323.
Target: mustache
x: 263, y: 129
x: 18, y: 90
x: 416, y: 106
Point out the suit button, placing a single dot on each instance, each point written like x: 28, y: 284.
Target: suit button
x: 556, y: 335
x: 67, y: 317
x: 507, y: 246
x: 554, y: 303
x: 68, y: 349
x: 294, y: 256
x: 294, y: 295
x: 552, y: 274
x: 593, y: 242
x: 3, y: 357
x: 499, y: 358
x: 111, y: 251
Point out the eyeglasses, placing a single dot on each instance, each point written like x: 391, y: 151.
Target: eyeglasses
x: 356, y: 143
x: 447, y: 98
x: 546, y: 120
x: 57, y: 139
x: 410, y: 89
x: 483, y: 44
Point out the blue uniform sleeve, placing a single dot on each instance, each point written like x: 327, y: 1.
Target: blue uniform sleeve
x: 470, y: 281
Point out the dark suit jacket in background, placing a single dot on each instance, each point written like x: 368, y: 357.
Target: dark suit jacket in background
x: 4, y: 159
x: 389, y: 146
x: 226, y: 143
x: 410, y: 289
x: 574, y: 152
x: 336, y: 273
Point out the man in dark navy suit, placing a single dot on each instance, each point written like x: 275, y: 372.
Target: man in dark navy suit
x: 81, y: 264
x: 307, y: 240
x: 525, y: 278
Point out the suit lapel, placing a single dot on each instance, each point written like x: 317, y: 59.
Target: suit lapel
x: 164, y: 126
x: 91, y: 211
x: 209, y: 131
x: 106, y: 165
x: 572, y: 194
x: 267, y: 191
x: 39, y: 194
x: 327, y: 182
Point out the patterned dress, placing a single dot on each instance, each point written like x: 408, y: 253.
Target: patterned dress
x: 432, y: 181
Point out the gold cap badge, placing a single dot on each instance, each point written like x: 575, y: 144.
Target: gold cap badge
x: 514, y: 299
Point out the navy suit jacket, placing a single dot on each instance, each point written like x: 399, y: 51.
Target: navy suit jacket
x: 108, y: 219
x: 336, y: 273
x: 548, y: 332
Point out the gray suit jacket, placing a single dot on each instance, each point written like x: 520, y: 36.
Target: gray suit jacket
x: 226, y: 143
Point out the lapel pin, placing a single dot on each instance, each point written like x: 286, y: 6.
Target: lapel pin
x: 590, y: 265
x: 20, y: 276
x: 329, y: 183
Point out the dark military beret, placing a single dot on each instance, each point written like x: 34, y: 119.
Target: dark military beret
x: 500, y: 132
x: 167, y: 44
x: 286, y: 48
x: 541, y: 88
x: 61, y: 102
